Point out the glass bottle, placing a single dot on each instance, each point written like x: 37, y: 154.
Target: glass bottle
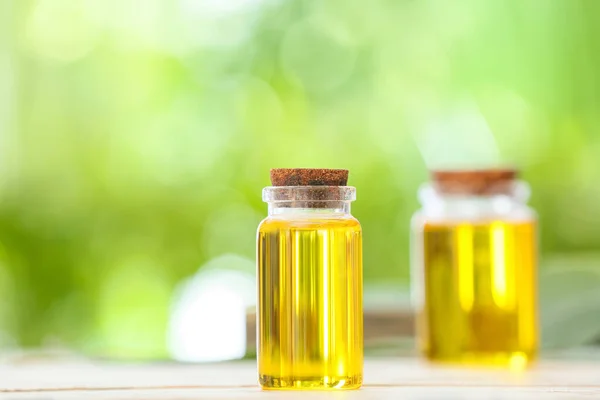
x: 474, y: 269
x: 310, y: 314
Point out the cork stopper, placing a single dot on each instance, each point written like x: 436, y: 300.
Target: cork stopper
x: 309, y: 177
x: 475, y: 182
x: 309, y: 188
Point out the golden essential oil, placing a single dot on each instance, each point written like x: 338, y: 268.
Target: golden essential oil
x: 475, y: 270
x: 480, y: 298
x: 310, y: 302
x: 310, y: 315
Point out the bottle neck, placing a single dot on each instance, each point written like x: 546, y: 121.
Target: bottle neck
x: 471, y: 206
x: 310, y: 208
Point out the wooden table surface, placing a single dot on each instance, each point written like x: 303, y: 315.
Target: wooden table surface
x: 389, y: 378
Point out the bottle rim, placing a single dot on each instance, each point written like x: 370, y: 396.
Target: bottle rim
x: 518, y: 190
x: 318, y: 194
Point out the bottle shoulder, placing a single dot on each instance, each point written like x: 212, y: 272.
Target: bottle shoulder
x: 272, y: 222
x: 519, y: 214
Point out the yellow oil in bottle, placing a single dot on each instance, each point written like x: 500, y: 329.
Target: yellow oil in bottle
x: 479, y: 284
x: 310, y: 326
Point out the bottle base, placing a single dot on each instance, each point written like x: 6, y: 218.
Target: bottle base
x: 269, y: 382
x: 514, y: 360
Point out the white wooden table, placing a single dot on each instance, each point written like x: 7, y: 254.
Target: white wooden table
x: 388, y: 378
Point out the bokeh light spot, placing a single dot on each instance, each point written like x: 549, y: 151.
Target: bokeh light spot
x: 59, y: 30
x: 317, y: 59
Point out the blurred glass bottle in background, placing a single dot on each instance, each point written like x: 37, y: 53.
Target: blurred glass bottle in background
x: 310, y: 310
x: 474, y: 269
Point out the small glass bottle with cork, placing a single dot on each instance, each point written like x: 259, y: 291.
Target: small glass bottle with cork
x: 474, y: 268
x: 309, y: 260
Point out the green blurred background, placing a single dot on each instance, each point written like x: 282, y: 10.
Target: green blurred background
x: 135, y: 139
